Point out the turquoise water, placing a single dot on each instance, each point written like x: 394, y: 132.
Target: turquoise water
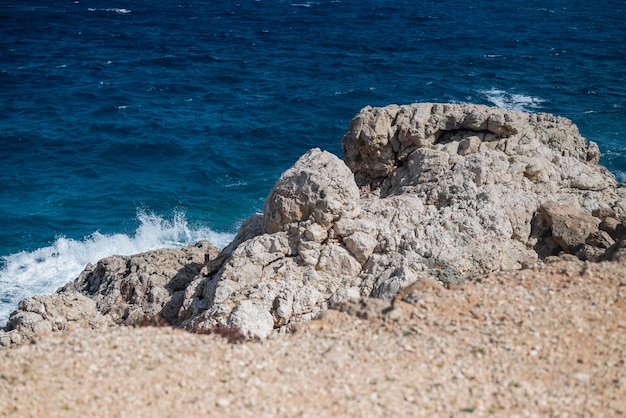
x: 131, y: 126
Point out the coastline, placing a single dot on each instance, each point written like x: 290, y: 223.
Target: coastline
x: 459, y: 259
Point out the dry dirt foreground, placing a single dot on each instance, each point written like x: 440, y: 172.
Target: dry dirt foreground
x: 539, y: 342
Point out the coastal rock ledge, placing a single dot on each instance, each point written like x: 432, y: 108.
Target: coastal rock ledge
x: 437, y: 193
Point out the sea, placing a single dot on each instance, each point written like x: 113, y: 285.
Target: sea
x: 127, y: 126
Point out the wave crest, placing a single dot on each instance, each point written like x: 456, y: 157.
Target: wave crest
x: 512, y: 101
x: 44, y: 270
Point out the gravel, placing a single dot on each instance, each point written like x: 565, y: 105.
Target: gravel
x: 543, y: 341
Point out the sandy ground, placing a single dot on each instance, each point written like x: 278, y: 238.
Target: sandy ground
x: 534, y: 342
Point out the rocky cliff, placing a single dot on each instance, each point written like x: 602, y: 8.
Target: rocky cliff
x: 425, y: 192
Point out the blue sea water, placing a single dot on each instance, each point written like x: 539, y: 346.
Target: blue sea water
x: 127, y: 126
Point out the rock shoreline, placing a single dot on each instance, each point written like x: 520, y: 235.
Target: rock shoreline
x: 425, y: 193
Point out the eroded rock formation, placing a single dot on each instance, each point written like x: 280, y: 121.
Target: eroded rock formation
x: 437, y: 192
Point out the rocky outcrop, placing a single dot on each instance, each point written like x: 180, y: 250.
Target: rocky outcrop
x: 117, y: 290
x: 127, y: 288
x: 296, y: 263
x: 318, y: 190
x: 58, y: 312
x: 426, y: 192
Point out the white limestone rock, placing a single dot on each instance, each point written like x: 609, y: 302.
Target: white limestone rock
x: 319, y: 187
x: 40, y: 315
x: 361, y: 245
x: 381, y: 140
x: 252, y: 319
x: 297, y: 264
x: 152, y: 283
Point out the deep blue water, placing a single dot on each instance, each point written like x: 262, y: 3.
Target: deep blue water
x: 127, y: 126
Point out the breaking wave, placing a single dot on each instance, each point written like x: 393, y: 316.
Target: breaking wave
x: 44, y: 270
x: 512, y: 101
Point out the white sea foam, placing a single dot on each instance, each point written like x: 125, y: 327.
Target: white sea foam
x: 236, y: 184
x: 512, y: 101
x: 44, y: 270
x: 114, y: 10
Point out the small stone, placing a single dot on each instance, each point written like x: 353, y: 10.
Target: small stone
x: 222, y: 402
x: 603, y: 213
x: 570, y: 227
x: 613, y: 227
x: 393, y: 315
x: 252, y: 319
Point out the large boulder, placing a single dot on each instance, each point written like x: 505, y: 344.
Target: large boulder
x: 296, y: 263
x: 542, y: 148
x: 319, y: 188
x: 454, y: 189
